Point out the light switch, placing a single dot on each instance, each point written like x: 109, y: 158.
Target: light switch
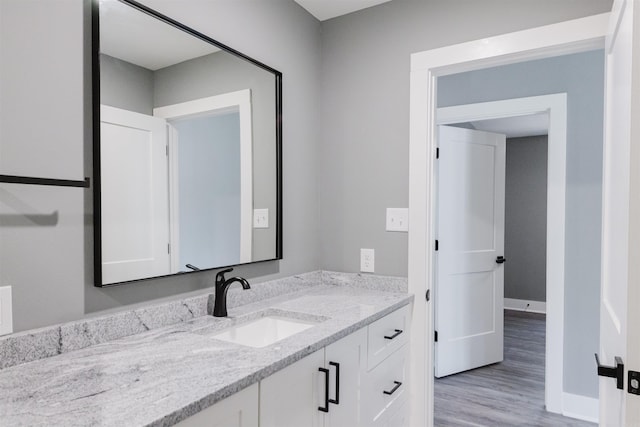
x: 397, y: 219
x: 6, y: 314
x: 261, y: 218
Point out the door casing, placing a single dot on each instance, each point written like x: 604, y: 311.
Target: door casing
x: 568, y: 37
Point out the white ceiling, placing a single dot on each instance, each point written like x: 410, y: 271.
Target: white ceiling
x: 515, y: 127
x: 137, y: 38
x: 327, y: 9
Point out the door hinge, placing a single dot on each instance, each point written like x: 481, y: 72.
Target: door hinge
x: 435, y: 336
x: 436, y: 245
x: 167, y: 150
x: 438, y: 153
x: 168, y: 248
x: 428, y: 295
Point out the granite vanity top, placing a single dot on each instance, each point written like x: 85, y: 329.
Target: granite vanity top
x: 166, y: 374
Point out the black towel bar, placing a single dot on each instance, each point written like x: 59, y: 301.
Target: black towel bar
x: 12, y: 179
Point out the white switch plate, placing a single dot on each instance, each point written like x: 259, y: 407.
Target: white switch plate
x: 261, y: 218
x: 397, y: 219
x: 367, y: 260
x: 6, y: 314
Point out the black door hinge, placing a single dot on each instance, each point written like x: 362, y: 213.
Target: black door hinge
x: 438, y: 153
x: 428, y: 296
x: 435, y: 336
x: 436, y: 245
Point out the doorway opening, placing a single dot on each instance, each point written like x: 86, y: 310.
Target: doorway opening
x: 549, y: 114
x: 523, y: 228
x: 575, y: 36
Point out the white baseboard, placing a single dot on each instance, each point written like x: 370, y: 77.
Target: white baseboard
x: 580, y: 407
x: 525, y: 305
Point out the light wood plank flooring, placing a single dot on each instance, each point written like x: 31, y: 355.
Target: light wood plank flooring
x: 510, y: 393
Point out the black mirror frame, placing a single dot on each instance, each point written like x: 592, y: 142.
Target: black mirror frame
x: 97, y: 205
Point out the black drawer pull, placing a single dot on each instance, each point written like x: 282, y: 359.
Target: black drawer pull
x: 393, y: 390
x: 336, y: 401
x: 326, y: 390
x: 397, y: 332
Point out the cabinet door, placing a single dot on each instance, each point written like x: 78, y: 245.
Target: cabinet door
x: 290, y: 397
x: 345, y: 360
x: 238, y: 410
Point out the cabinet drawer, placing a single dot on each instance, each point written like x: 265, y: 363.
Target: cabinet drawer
x: 387, y: 335
x: 395, y: 418
x: 385, y: 388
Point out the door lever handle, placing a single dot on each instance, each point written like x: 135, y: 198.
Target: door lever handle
x: 616, y: 372
x: 500, y: 260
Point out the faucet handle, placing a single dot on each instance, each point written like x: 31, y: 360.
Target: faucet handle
x: 220, y: 275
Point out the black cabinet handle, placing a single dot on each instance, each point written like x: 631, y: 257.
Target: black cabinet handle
x: 393, y: 390
x: 500, y: 260
x: 397, y: 332
x: 336, y: 401
x: 326, y: 390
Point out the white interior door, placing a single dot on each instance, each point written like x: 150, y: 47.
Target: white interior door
x: 134, y: 191
x: 470, y: 282
x: 620, y: 221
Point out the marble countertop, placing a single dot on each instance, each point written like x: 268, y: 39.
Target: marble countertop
x: 164, y: 375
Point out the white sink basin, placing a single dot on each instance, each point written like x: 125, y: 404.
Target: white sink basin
x: 264, y: 331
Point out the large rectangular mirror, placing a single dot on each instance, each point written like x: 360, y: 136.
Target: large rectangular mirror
x: 187, y: 149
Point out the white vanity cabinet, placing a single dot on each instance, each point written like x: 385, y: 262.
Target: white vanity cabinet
x: 321, y: 390
x: 367, y: 375
x: 359, y: 381
x: 238, y: 410
x: 385, y: 384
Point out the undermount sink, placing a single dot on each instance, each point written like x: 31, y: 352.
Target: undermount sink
x: 264, y: 331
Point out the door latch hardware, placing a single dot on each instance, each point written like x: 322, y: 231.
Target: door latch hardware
x: 616, y: 372
x: 500, y: 260
x: 633, y: 386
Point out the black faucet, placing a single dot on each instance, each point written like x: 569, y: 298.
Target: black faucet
x: 222, y: 285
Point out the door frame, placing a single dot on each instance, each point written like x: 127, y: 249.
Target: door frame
x: 239, y: 101
x: 563, y: 38
x: 556, y: 106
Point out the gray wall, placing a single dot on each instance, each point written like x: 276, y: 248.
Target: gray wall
x: 363, y: 154
x: 525, y: 237
x: 126, y: 85
x: 209, y: 190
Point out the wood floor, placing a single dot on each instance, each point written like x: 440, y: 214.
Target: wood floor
x: 510, y: 393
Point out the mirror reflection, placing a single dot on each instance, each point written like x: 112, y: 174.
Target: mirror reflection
x: 188, y: 151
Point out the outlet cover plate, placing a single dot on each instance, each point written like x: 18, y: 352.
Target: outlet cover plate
x: 6, y: 314
x: 398, y: 219
x: 367, y: 260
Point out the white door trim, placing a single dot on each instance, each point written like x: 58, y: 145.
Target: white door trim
x: 551, y: 40
x: 233, y: 101
x: 556, y: 106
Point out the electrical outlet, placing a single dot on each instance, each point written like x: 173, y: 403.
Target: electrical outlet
x: 367, y: 260
x: 397, y: 219
x: 6, y: 314
x: 261, y: 218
